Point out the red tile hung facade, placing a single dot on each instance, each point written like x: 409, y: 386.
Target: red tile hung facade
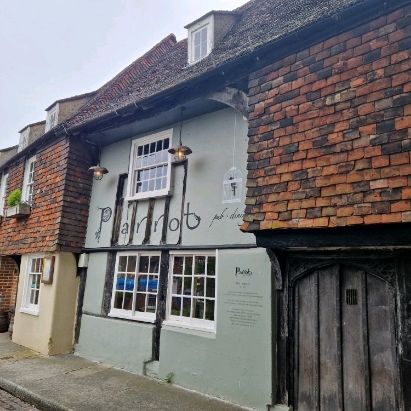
x: 62, y: 186
x: 330, y: 132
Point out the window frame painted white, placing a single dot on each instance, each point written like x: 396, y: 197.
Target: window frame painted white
x: 26, y: 306
x: 3, y: 192
x: 189, y: 322
x: 208, y: 23
x: 133, y: 314
x: 28, y: 181
x: 52, y: 117
x: 133, y: 169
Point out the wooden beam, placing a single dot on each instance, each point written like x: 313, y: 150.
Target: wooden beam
x: 233, y: 98
x: 383, y: 235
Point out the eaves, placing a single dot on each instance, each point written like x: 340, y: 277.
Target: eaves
x: 262, y: 55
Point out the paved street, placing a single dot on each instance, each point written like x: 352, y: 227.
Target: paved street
x: 68, y: 382
x: 10, y: 403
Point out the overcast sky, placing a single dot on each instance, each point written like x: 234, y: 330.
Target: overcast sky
x: 52, y: 49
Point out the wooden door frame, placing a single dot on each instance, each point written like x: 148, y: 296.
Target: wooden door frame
x: 291, y: 266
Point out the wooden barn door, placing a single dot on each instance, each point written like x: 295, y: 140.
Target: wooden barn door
x: 344, y: 342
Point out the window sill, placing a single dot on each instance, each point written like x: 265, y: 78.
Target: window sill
x: 30, y: 311
x: 139, y: 318
x: 149, y: 194
x: 189, y: 329
x: 20, y: 210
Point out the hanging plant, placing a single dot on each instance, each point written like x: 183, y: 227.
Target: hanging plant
x: 14, y: 198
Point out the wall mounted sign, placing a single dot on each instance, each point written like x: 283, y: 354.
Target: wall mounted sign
x: 48, y: 270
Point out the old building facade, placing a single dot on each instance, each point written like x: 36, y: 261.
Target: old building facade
x: 329, y: 196
x: 52, y: 175
x: 308, y: 308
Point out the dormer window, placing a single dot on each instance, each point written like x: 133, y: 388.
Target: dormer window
x: 24, y: 139
x: 200, y: 39
x: 200, y: 43
x: 52, y: 118
x: 206, y: 32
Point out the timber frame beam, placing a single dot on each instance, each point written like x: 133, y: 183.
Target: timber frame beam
x: 232, y: 97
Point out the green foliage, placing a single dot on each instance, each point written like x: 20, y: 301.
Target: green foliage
x: 14, y: 198
x: 170, y: 378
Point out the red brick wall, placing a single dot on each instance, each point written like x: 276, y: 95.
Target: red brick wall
x: 330, y: 132
x: 8, y: 283
x: 76, y: 198
x: 60, y: 166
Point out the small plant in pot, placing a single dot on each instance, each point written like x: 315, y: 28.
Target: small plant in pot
x: 15, y: 207
x: 14, y: 198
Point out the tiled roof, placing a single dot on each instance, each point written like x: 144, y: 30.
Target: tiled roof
x: 106, y: 96
x: 164, y: 67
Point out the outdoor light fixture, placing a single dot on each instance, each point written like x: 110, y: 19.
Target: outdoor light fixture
x: 98, y: 171
x: 180, y: 152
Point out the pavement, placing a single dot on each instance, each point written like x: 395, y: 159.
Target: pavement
x: 69, y: 382
x: 10, y: 403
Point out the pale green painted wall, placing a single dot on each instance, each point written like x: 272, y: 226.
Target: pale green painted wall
x: 124, y: 344
x: 96, y: 273
x: 211, y: 138
x: 235, y: 362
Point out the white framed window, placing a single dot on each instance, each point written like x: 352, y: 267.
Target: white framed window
x: 200, y: 39
x: 150, y: 166
x: 52, y: 117
x: 24, y: 139
x: 135, y: 286
x: 28, y: 183
x: 3, y: 192
x: 200, y: 43
x: 192, y: 290
x: 31, y: 292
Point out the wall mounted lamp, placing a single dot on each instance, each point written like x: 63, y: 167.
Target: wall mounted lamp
x: 180, y: 152
x: 98, y: 171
